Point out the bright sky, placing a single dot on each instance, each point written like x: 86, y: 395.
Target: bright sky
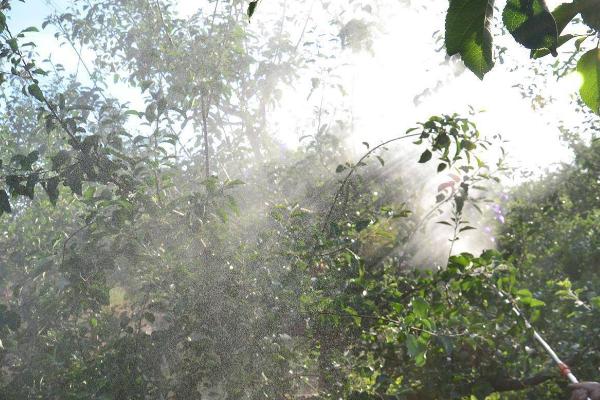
x: 384, y: 87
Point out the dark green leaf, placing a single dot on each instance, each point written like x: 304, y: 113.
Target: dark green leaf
x: 148, y: 316
x: 590, y: 12
x: 13, y: 44
x: 4, y: 202
x: 468, y: 33
x: 30, y: 29
x: 564, y: 13
x: 9, y: 318
x: 32, y: 180
x: 426, y: 156
x: 252, y: 8
x: 73, y: 181
x: 415, y: 348
x: 36, y: 92
x: 32, y: 157
x: 531, y: 24
x: 51, y: 188
x: 60, y: 159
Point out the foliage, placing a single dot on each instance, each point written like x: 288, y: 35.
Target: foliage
x: 533, y: 25
x: 208, y: 262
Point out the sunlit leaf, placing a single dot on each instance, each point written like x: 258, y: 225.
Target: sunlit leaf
x: 589, y: 68
x: 531, y: 24
x: 468, y: 33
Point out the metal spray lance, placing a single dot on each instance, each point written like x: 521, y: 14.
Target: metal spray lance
x: 564, y: 368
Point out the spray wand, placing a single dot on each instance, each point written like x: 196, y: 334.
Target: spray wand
x: 564, y: 368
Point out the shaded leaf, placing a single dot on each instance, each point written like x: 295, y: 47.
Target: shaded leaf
x: 36, y: 92
x: 564, y: 13
x: 252, y: 8
x: 4, y: 202
x: 426, y: 156
x: 51, y: 188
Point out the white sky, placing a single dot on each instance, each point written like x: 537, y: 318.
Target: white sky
x: 383, y: 87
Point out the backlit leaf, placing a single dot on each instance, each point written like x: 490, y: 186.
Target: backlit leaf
x: 531, y: 24
x: 468, y: 33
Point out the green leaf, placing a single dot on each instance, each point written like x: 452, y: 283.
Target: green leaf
x: 468, y: 33
x: 148, y: 316
x: 416, y: 349
x: 564, y: 13
x: 441, y: 167
x: 420, y: 307
x: 32, y: 158
x: 252, y: 8
x: 30, y: 29
x: 36, y: 92
x: 524, y: 293
x: 9, y: 318
x: 590, y: 13
x: 51, y: 188
x: 340, y: 168
x: 233, y: 183
x: 60, y: 159
x: 426, y: 156
x: 539, y: 53
x: 4, y: 202
x: 32, y: 180
x: 13, y: 44
x: 73, y: 181
x: 531, y: 24
x: 589, y: 68
x: 355, y: 317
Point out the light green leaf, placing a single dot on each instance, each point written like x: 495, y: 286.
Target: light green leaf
x: 468, y: 33
x: 355, y: 317
x: 589, y: 68
x: 535, y: 54
x: 420, y: 307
